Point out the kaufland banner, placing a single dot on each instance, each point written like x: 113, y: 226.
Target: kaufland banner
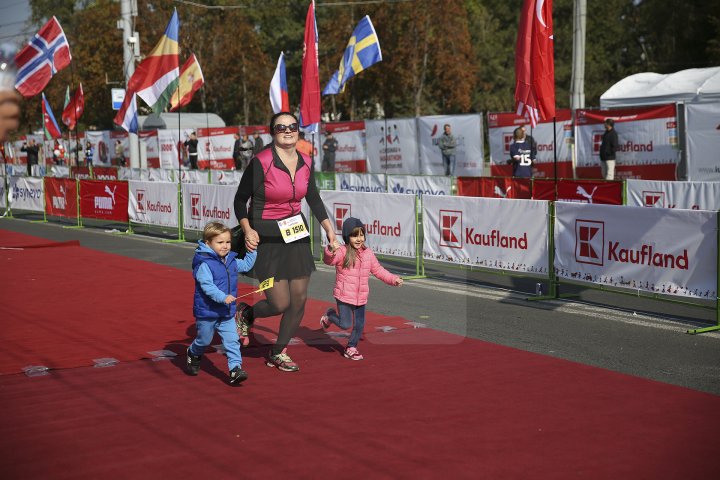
x: 350, y: 155
x: 61, y: 197
x: 487, y: 232
x: 467, y: 130
x: 501, y: 126
x: 150, y: 150
x: 208, y: 203
x: 225, y: 177
x: 389, y: 219
x: 215, y: 147
x: 104, y: 199
x: 168, y: 145
x: 648, y: 142
x: 26, y: 193
x: 392, y: 146
x: 419, y: 184
x: 702, y: 135
x: 669, y: 252
x: 153, y: 203
x: 360, y: 182
x: 684, y: 195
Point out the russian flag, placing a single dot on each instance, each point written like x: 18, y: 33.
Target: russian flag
x: 278, y: 88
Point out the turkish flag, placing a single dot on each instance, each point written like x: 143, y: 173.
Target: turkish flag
x: 534, y: 62
x: 74, y: 108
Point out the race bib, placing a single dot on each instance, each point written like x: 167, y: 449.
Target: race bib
x: 293, y: 228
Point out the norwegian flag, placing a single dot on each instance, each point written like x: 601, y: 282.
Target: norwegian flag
x: 46, y: 54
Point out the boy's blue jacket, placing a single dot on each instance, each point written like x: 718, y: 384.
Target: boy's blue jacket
x: 215, y: 280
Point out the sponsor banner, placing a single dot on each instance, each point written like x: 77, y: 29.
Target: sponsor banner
x: 325, y: 180
x: 361, y: 182
x: 670, y: 252
x: 389, y: 219
x: 207, y: 203
x: 702, y: 133
x: 225, y: 177
x: 150, y: 149
x: 350, y: 155
x: 467, y: 130
x: 194, y: 176
x: 61, y: 197
x: 26, y: 193
x: 103, y: 150
x: 153, y: 203
x: 122, y: 136
x: 215, y: 148
x: 168, y: 145
x: 684, y: 195
x: 127, y: 173
x: 392, y: 146
x: 506, y: 187
x: 60, y: 171
x: 501, y: 126
x: 3, y: 196
x: 104, y: 199
x: 100, y: 173
x: 80, y: 173
x: 579, y: 191
x: 469, y: 187
x: 157, y: 175
x: 15, y: 170
x: 38, y: 170
x: 420, y: 184
x: 648, y: 142
x: 514, y: 237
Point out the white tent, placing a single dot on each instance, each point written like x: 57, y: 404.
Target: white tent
x: 695, y: 85
x: 169, y: 121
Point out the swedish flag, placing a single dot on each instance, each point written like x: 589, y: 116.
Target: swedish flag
x: 362, y: 51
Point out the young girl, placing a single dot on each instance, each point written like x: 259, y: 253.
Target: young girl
x: 354, y: 262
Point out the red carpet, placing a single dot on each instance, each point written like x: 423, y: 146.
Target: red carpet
x: 424, y: 404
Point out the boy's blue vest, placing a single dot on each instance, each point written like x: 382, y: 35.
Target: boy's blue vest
x: 225, y: 277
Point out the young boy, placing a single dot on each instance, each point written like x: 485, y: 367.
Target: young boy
x: 215, y: 269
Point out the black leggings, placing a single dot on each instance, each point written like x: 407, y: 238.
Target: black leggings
x: 287, y: 297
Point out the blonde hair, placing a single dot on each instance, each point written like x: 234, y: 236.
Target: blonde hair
x: 350, y: 251
x: 213, y: 229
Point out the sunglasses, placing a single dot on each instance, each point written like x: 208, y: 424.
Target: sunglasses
x: 280, y: 128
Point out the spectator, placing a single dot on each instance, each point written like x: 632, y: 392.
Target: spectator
x: 608, y: 147
x: 329, y: 148
x: 522, y: 154
x: 447, y: 144
x: 32, y: 150
x: 258, y: 143
x: 191, y: 145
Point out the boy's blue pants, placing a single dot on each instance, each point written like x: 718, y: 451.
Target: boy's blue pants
x: 227, y: 330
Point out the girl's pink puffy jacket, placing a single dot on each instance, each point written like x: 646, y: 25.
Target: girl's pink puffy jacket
x: 351, y: 284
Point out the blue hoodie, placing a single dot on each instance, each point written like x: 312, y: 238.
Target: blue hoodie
x: 215, y: 279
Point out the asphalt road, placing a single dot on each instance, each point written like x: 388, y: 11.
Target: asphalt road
x: 640, y: 337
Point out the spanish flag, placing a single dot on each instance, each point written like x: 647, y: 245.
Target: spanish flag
x: 190, y: 80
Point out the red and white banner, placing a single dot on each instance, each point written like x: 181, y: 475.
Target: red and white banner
x: 579, y: 191
x: 702, y: 133
x: 207, y: 203
x: 153, y: 203
x: 392, y: 146
x: 500, y: 136
x: 389, y: 219
x: 684, y: 195
x: 648, y: 142
x: 194, y: 176
x: 104, y: 199
x: 514, y: 237
x: 61, y: 197
x: 506, y: 187
x: 215, y: 148
x: 468, y: 132
x: 25, y: 193
x: 225, y: 177
x: 419, y: 184
x: 150, y: 149
x: 670, y: 252
x: 3, y: 196
x: 101, y: 173
x: 350, y: 155
x: 102, y: 147
x: 361, y: 182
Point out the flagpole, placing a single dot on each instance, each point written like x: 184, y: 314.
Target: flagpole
x: 555, y: 156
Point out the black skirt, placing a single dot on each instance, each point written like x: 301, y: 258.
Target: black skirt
x: 275, y: 258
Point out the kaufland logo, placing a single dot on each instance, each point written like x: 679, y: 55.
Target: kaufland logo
x: 195, y: 206
x: 507, y: 141
x: 140, y: 199
x: 654, y: 199
x: 342, y: 212
x: 596, y: 141
x: 589, y: 242
x: 451, y: 228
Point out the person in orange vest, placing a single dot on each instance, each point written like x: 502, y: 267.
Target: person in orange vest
x: 305, y: 147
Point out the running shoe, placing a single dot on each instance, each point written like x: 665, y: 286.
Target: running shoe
x: 353, y: 354
x: 325, y: 320
x: 242, y: 320
x: 237, y: 376
x: 192, y: 364
x: 282, y: 361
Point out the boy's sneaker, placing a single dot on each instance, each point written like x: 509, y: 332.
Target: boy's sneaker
x: 192, y: 364
x: 237, y: 376
x: 282, y: 361
x: 325, y: 320
x: 242, y: 320
x: 353, y: 354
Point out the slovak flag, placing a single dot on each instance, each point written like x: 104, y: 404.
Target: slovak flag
x: 278, y: 88
x: 46, y: 54
x: 52, y: 130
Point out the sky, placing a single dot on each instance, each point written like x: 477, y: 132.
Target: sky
x: 14, y: 15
